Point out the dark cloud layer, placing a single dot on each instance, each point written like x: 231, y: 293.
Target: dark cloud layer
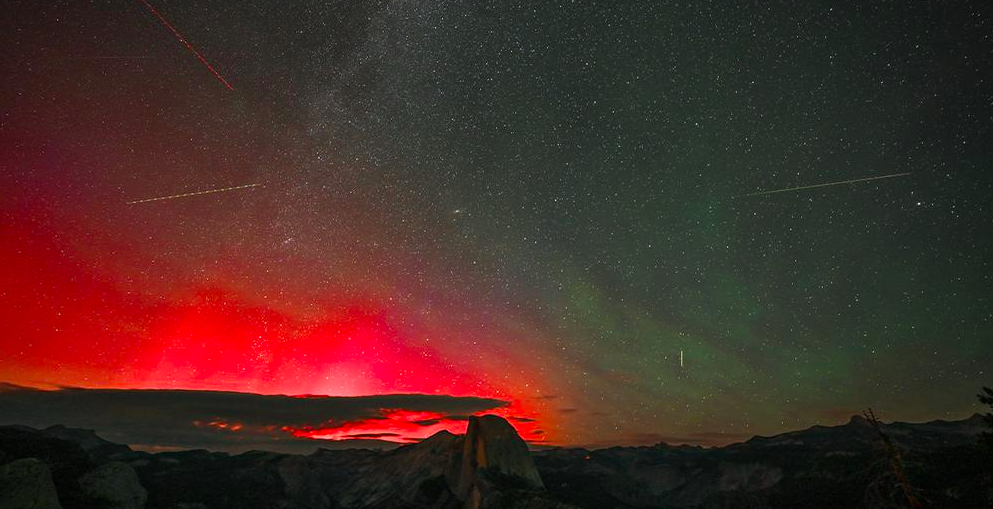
x: 207, y: 419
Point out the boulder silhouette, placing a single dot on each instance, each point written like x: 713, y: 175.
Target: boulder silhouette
x: 116, y: 485
x: 27, y: 484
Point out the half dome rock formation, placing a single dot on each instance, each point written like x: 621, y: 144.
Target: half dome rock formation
x: 492, y: 447
x: 493, y: 455
x: 489, y: 467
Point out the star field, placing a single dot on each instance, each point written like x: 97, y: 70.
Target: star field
x: 543, y: 203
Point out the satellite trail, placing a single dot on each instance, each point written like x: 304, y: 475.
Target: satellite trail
x: 852, y: 181
x: 186, y: 43
x: 196, y: 193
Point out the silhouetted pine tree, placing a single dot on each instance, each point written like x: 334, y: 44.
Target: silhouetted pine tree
x: 986, y: 442
x: 895, y: 481
x: 986, y: 438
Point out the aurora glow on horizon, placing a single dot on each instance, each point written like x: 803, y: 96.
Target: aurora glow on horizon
x: 533, y: 204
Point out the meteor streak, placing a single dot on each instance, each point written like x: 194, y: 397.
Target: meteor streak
x: 186, y: 43
x: 852, y: 181
x: 112, y: 58
x: 197, y: 193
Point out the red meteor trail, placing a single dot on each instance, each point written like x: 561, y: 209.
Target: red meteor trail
x: 186, y: 43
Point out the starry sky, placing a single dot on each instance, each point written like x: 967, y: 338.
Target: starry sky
x: 539, y: 205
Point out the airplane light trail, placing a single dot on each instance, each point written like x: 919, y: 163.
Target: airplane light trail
x: 196, y: 193
x: 186, y: 43
x: 866, y: 179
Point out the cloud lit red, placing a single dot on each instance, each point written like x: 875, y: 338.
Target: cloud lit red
x: 398, y: 425
x: 237, y: 421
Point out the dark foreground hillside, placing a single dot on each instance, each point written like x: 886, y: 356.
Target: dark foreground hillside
x: 491, y: 467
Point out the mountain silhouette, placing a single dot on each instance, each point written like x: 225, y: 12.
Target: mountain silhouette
x: 491, y: 468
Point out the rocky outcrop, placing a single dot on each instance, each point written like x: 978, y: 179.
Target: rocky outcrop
x: 115, y: 484
x: 413, y: 475
x: 27, y: 484
x: 302, y: 485
x: 89, y: 441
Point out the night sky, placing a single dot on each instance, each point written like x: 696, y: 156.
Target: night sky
x: 539, y: 203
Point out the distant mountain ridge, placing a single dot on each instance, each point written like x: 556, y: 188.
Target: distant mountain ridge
x: 858, y: 431
x: 783, y: 470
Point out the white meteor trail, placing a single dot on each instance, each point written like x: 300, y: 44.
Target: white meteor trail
x: 122, y: 57
x: 852, y: 181
x: 196, y: 193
